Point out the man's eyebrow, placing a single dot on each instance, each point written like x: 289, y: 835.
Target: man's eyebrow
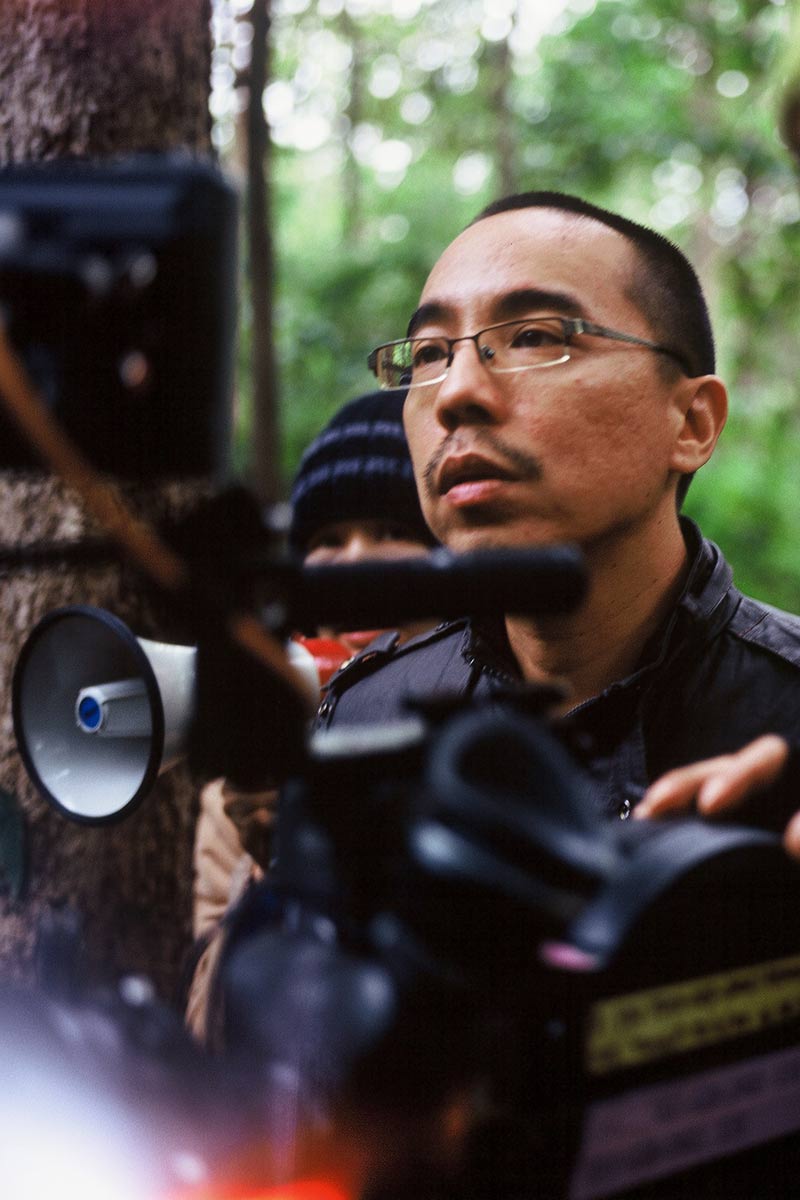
x: 518, y: 303
x: 428, y: 314
x: 525, y: 300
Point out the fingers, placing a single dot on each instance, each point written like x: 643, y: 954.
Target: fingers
x: 791, y: 838
x: 717, y: 784
x: 677, y: 790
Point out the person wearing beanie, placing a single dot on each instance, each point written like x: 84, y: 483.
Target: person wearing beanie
x: 357, y: 468
x: 353, y: 498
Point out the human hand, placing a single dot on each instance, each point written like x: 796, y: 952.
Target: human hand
x: 791, y: 837
x: 718, y: 785
x: 254, y: 814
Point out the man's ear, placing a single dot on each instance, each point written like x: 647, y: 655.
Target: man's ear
x: 703, y: 403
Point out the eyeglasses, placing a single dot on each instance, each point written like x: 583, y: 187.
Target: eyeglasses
x: 504, y: 349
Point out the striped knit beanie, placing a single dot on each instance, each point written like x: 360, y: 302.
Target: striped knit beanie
x: 357, y: 469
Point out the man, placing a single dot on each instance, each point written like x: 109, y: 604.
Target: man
x: 562, y: 388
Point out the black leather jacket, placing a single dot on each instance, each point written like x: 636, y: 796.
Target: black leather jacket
x: 722, y: 670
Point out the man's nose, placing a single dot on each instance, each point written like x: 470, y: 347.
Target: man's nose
x: 469, y: 392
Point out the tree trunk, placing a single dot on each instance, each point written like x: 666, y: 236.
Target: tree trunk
x: 102, y: 77
x: 95, y: 78
x: 352, y: 219
x: 789, y: 113
x: 265, y: 464
x: 499, y: 62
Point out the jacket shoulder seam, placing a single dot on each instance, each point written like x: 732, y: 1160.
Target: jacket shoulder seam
x: 754, y: 625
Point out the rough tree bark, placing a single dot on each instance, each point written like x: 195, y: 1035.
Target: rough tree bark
x: 102, y: 77
x: 95, y: 78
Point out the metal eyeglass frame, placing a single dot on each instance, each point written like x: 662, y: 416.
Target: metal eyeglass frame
x: 570, y: 326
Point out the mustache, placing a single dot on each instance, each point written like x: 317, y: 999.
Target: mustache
x: 526, y: 466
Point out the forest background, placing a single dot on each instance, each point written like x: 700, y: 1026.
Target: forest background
x: 392, y: 122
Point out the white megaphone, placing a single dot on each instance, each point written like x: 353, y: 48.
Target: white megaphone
x: 100, y: 713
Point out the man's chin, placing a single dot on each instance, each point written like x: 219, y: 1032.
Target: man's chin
x: 472, y: 529
x: 501, y: 535
x: 487, y: 537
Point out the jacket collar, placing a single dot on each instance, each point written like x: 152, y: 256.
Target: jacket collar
x: 708, y: 598
x: 709, y: 584
x: 703, y: 608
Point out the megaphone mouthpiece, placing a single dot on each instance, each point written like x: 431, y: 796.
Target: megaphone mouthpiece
x: 120, y: 709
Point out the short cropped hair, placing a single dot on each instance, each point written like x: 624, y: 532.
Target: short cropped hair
x: 665, y: 287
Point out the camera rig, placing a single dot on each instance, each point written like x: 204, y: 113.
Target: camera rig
x: 449, y: 918
x: 118, y: 289
x: 611, y: 1011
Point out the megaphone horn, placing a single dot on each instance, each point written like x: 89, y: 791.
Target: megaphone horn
x: 99, y: 713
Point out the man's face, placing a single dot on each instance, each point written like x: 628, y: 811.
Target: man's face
x: 575, y: 452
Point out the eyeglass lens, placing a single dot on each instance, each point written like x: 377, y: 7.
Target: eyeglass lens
x: 512, y: 346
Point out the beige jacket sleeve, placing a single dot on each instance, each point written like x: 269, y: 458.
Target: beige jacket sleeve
x: 217, y: 852
x: 228, y: 821
x: 231, y: 843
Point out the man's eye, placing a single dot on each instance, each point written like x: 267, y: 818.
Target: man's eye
x: 533, y: 336
x: 425, y: 353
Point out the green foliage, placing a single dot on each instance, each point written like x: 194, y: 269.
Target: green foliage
x: 748, y: 498
x: 393, y: 130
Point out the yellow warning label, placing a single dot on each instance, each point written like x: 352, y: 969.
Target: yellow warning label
x: 640, y: 1027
